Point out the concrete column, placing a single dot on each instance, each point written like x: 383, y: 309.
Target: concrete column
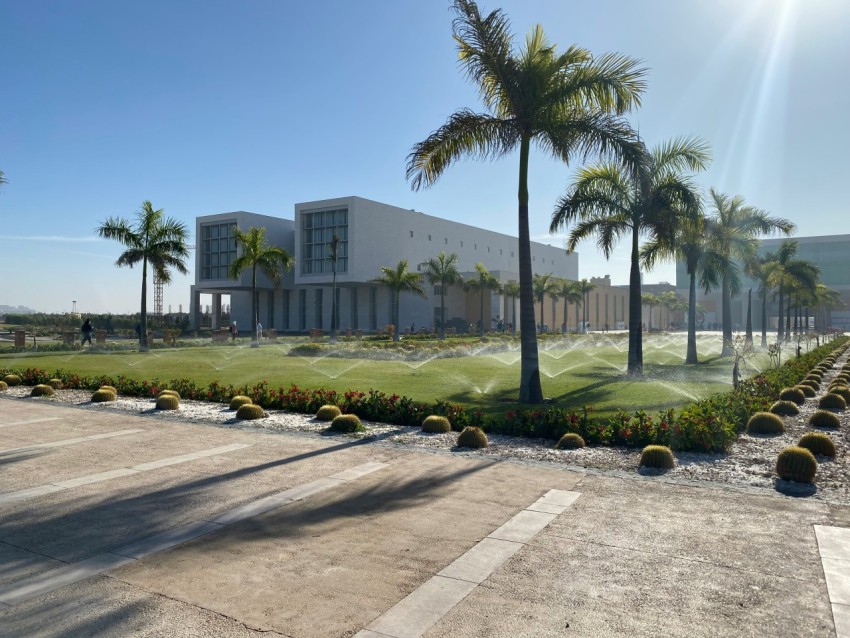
x: 195, y: 308
x: 216, y: 311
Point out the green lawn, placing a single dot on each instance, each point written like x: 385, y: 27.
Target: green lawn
x: 575, y: 371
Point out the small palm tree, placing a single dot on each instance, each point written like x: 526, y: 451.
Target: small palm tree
x: 398, y: 280
x: 442, y: 271
x: 653, y: 198
x: 650, y: 301
x: 333, y: 255
x: 733, y: 232
x: 788, y: 272
x: 570, y: 293
x: 585, y: 288
x: 154, y: 240
x: 255, y: 253
x: 511, y: 290
x: 485, y: 281
x: 762, y: 270
x: 569, y: 104
x: 542, y: 285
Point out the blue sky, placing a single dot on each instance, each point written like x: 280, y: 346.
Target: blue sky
x: 210, y: 106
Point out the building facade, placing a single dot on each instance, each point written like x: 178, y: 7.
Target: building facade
x: 371, y: 235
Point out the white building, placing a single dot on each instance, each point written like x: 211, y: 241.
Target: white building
x: 372, y: 235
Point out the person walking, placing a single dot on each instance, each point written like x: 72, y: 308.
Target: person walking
x: 234, y: 331
x: 86, y: 329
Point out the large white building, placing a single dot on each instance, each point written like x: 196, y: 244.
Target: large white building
x: 371, y: 235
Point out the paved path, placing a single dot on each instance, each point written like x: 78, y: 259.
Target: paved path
x: 253, y: 532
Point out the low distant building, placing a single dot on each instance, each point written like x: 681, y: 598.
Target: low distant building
x: 371, y: 235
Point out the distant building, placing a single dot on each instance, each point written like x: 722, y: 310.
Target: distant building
x: 371, y: 235
x: 831, y: 253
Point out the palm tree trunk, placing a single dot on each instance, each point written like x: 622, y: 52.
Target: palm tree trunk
x: 750, y: 316
x: 577, y: 319
x: 764, y: 320
x: 397, y: 314
x: 788, y: 324
x: 333, y: 306
x: 691, y: 354
x: 554, y: 312
x: 481, y: 321
x: 255, y: 311
x: 566, y: 309
x: 530, y: 390
x: 726, y: 317
x: 442, y: 312
x: 635, y: 333
x: 513, y: 314
x: 780, y: 330
x: 143, y: 331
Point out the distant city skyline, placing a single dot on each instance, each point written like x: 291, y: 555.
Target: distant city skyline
x: 215, y: 107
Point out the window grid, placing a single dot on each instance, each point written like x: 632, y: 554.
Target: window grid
x: 317, y: 230
x: 218, y: 249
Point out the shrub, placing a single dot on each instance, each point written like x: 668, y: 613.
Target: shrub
x: 238, y: 401
x: 765, y: 423
x: 346, y: 423
x: 250, y: 411
x: 109, y: 388
x: 436, y: 424
x: 658, y: 456
x: 807, y: 390
x: 570, y: 441
x: 102, y: 396
x: 785, y: 408
x: 3, y: 386
x: 824, y: 419
x: 41, y: 390
x: 832, y: 402
x: 12, y: 380
x: 473, y: 437
x: 167, y: 402
x: 843, y: 391
x: 328, y: 412
x: 56, y: 384
x: 794, y: 395
x: 173, y: 393
x: 796, y: 464
x: 818, y: 443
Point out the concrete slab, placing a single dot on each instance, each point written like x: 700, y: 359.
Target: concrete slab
x: 11, y: 424
x: 96, y: 478
x: 841, y: 616
x: 32, y: 492
x: 523, y: 527
x: 192, y: 456
x: 837, y: 574
x: 168, y: 539
x: 481, y: 561
x: 833, y: 542
x: 418, y: 612
x: 17, y: 564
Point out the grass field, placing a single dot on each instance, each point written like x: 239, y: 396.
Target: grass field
x: 575, y: 371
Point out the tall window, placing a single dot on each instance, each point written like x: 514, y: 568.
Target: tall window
x: 317, y: 230
x: 319, y: 308
x: 285, y: 309
x: 355, y: 322
x: 302, y: 309
x: 218, y: 249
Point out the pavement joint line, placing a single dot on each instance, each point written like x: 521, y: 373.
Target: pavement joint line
x: 95, y: 565
x: 834, y: 551
x: 30, y: 421
x: 64, y: 442
x: 49, y: 488
x: 420, y: 610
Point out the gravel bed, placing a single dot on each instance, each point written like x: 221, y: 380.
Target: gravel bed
x: 750, y: 462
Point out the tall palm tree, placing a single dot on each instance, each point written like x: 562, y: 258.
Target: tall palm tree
x: 788, y: 273
x: 333, y: 255
x: 511, y: 291
x: 568, y: 104
x: 442, y: 271
x: 652, y: 199
x: 255, y: 253
x: 585, y: 288
x: 762, y: 270
x: 542, y: 285
x: 825, y: 300
x: 398, y: 280
x: 669, y: 302
x: 733, y: 231
x: 154, y: 240
x: 483, y: 282
x: 570, y: 292
x: 650, y: 301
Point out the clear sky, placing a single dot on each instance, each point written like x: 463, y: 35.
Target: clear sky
x: 208, y: 106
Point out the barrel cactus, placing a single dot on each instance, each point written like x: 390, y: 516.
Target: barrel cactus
x: 41, y: 390
x: 785, y: 408
x: 818, y: 443
x: 173, y: 393
x: 832, y: 402
x: 436, y: 424
x: 12, y: 380
x: 843, y: 391
x: 238, y: 401
x: 103, y: 396
x: 570, y: 441
x: 765, y: 423
x: 472, y: 437
x: 796, y: 463
x: 3, y: 386
x: 109, y: 388
x: 794, y: 395
x: 250, y: 411
x: 167, y: 402
x: 56, y: 384
x: 807, y: 390
x: 346, y: 423
x: 824, y: 419
x: 657, y: 456
x: 328, y: 413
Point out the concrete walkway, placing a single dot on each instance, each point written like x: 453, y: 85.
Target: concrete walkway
x: 255, y: 532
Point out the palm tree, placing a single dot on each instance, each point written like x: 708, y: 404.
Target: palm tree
x: 669, y: 302
x: 787, y: 273
x: 733, y: 230
x: 482, y: 283
x: 154, y: 240
x: 555, y: 295
x: 511, y: 290
x: 650, y: 301
x: 542, y: 285
x: 688, y: 245
x: 255, y: 253
x: 652, y: 199
x: 571, y: 293
x: 585, y: 288
x: 3, y: 179
x: 398, y: 280
x: 569, y: 104
x: 825, y: 300
x: 333, y: 249
x: 442, y: 271
x: 762, y: 270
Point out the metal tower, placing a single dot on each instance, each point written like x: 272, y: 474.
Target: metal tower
x: 157, y: 296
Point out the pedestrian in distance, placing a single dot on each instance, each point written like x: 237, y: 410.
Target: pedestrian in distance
x: 234, y: 331
x: 86, y: 329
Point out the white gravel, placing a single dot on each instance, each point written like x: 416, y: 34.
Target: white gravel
x: 749, y: 463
